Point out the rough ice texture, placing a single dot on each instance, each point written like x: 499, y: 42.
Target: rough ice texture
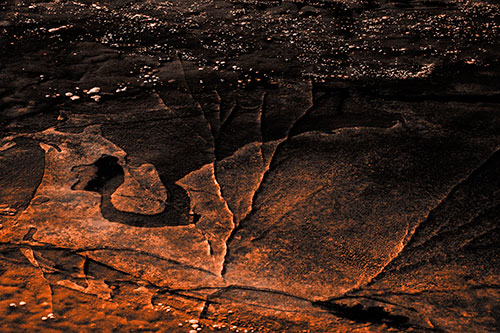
x: 278, y: 165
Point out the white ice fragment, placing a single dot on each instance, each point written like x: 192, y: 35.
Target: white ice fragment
x: 96, y: 98
x: 94, y: 90
x: 59, y: 28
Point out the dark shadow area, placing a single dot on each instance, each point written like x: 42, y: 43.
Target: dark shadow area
x: 107, y: 169
x: 28, y: 237
x: 109, y: 176
x: 21, y: 172
x: 328, y: 114
x: 239, y: 129
x: 360, y: 314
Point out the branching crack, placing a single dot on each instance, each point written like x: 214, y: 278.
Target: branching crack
x: 410, y: 234
x: 265, y: 174
x: 48, y: 246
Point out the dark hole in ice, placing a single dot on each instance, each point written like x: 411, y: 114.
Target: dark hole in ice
x: 107, y: 169
x: 196, y: 218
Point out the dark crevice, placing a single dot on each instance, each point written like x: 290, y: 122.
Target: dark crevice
x: 360, y: 314
x: 483, y: 221
x: 370, y: 298
x: 211, y: 249
x: 202, y: 109
x: 104, y: 248
x: 86, y: 265
x: 196, y: 217
x: 220, y: 151
x: 179, y: 293
x: 88, y: 262
x: 238, y: 130
x: 28, y: 237
x: 241, y: 225
x: 487, y: 177
x: 227, y: 108
x: 326, y: 105
x: 431, y: 226
x: 204, y: 311
x: 220, y: 290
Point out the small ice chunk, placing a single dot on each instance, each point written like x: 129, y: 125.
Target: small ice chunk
x: 59, y: 28
x: 96, y: 98
x: 94, y: 90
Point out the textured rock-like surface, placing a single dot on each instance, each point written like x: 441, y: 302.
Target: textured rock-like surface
x: 265, y: 166
x: 22, y: 165
x: 142, y: 191
x: 330, y: 217
x: 210, y: 211
x: 455, y: 249
x: 66, y: 217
